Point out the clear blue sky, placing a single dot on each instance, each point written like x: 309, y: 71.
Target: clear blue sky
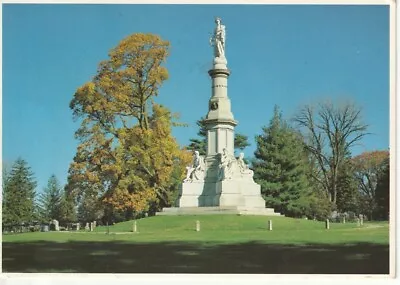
x: 277, y: 54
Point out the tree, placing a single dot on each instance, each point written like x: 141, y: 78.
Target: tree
x: 320, y: 206
x: 67, y: 210
x: 280, y: 167
x: 331, y: 132
x: 382, y: 193
x: 19, y: 194
x: 368, y: 167
x: 90, y: 208
x: 347, y: 194
x: 124, y: 85
x: 200, y: 144
x: 149, y: 165
x: 4, y: 179
x: 50, y: 200
x: 126, y: 153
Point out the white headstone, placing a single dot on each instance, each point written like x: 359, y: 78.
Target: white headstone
x: 56, y: 225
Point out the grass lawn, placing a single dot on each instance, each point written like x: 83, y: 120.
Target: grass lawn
x: 225, y: 244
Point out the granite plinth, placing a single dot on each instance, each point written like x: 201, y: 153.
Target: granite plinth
x: 181, y: 211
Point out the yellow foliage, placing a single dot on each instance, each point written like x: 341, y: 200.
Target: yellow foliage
x: 127, y: 151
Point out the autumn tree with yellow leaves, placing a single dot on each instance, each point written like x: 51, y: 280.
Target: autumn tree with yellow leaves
x: 127, y: 158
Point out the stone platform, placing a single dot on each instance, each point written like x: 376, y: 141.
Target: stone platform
x: 234, y: 210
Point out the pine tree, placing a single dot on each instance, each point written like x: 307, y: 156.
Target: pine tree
x: 19, y: 194
x: 347, y: 190
x: 50, y: 200
x: 280, y: 167
x: 67, y: 213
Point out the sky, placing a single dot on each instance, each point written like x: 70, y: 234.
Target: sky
x: 285, y: 55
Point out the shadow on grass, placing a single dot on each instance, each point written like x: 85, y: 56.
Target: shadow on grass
x: 168, y: 257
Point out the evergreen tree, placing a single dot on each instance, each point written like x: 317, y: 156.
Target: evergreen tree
x: 320, y: 205
x: 19, y: 194
x: 200, y: 144
x: 50, y: 200
x: 67, y: 209
x: 347, y: 190
x: 280, y: 167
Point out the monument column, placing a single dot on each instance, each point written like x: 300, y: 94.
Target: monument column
x: 219, y: 121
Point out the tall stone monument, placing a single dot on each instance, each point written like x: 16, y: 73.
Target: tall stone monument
x: 219, y: 182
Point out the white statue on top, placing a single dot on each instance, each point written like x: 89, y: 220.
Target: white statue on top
x: 218, y: 40
x: 196, y: 170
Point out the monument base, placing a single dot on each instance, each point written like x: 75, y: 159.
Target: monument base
x: 227, y: 197
x: 226, y: 193
x: 242, y: 193
x: 197, y: 194
x: 194, y: 211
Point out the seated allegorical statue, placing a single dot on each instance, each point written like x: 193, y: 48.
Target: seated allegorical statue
x: 196, y: 170
x: 243, y: 167
x: 226, y: 166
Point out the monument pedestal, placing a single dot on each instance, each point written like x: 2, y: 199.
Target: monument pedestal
x: 237, y: 196
x: 197, y: 194
x: 239, y: 193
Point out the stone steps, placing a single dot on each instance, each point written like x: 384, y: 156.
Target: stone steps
x: 234, y: 210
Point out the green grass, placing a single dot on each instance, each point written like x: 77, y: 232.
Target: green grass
x: 225, y: 244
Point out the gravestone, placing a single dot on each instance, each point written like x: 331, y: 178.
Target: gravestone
x: 44, y: 228
x: 54, y: 225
